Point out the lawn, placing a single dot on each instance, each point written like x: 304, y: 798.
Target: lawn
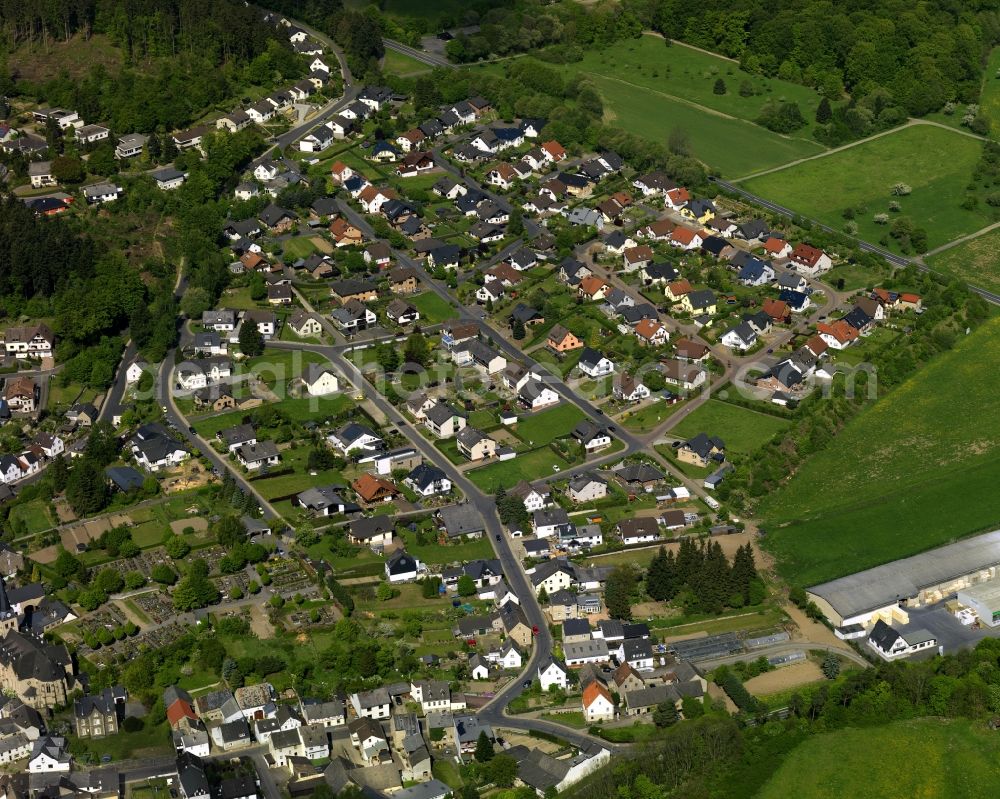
x: 239, y: 299
x: 862, y: 177
x: 301, y: 479
x: 402, y: 65
x: 34, y: 515
x: 433, y: 309
x: 298, y: 409
x: 648, y: 417
x: 898, y: 478
x: 742, y: 429
x: 548, y: 425
x: 943, y: 760
x: 448, y: 553
x: 974, y: 261
x: 299, y: 247
x: 526, y: 466
x: 277, y: 367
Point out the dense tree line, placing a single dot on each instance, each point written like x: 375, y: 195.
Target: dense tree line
x: 920, y: 56
x: 700, y: 578
x: 220, y: 30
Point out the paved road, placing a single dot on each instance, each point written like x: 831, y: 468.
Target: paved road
x: 199, y: 444
x: 328, y: 111
x: 112, y: 405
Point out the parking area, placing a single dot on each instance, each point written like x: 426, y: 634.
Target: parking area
x: 951, y: 634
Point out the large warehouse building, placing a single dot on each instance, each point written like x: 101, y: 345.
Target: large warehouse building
x: 886, y: 591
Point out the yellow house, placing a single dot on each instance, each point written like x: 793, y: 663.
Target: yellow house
x: 699, y: 302
x: 702, y: 210
x: 677, y: 290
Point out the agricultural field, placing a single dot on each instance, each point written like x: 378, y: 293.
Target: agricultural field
x: 943, y: 760
x: 862, y: 177
x: 974, y: 261
x: 897, y: 480
x: 743, y: 430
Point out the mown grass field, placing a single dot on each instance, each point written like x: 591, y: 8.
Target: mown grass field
x: 926, y: 758
x: 402, y: 65
x: 974, y: 261
x: 916, y: 470
x: 862, y: 177
x: 689, y: 74
x: 651, y: 89
x: 742, y: 429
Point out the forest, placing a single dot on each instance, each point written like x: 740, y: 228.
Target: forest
x: 923, y: 55
x: 181, y: 58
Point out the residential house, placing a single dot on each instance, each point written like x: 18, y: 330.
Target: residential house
x: 809, y: 261
x: 594, y: 364
x: 374, y: 531
x: 699, y: 302
x: 635, y: 258
x: 32, y: 341
x: 427, y: 481
x: 586, y: 487
x: 628, y: 389
x: 443, y: 420
x: 702, y: 450
x: 837, y: 335
x: 535, y: 394
x: 257, y: 456
x: 534, y: 497
x: 372, y: 490
x: 401, y: 567
x: 475, y: 444
x: 584, y: 652
x: 638, y: 531
x: 597, y: 703
x: 552, y: 672
x: 21, y: 394
x: 461, y: 521
x: 99, y: 715
x: 592, y: 436
x: 305, y: 324
x: 651, y: 333
x: 740, y: 337
x: 403, y: 280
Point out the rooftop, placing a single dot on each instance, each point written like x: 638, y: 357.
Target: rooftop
x: 884, y: 585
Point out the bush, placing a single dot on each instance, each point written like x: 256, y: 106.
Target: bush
x: 132, y: 724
